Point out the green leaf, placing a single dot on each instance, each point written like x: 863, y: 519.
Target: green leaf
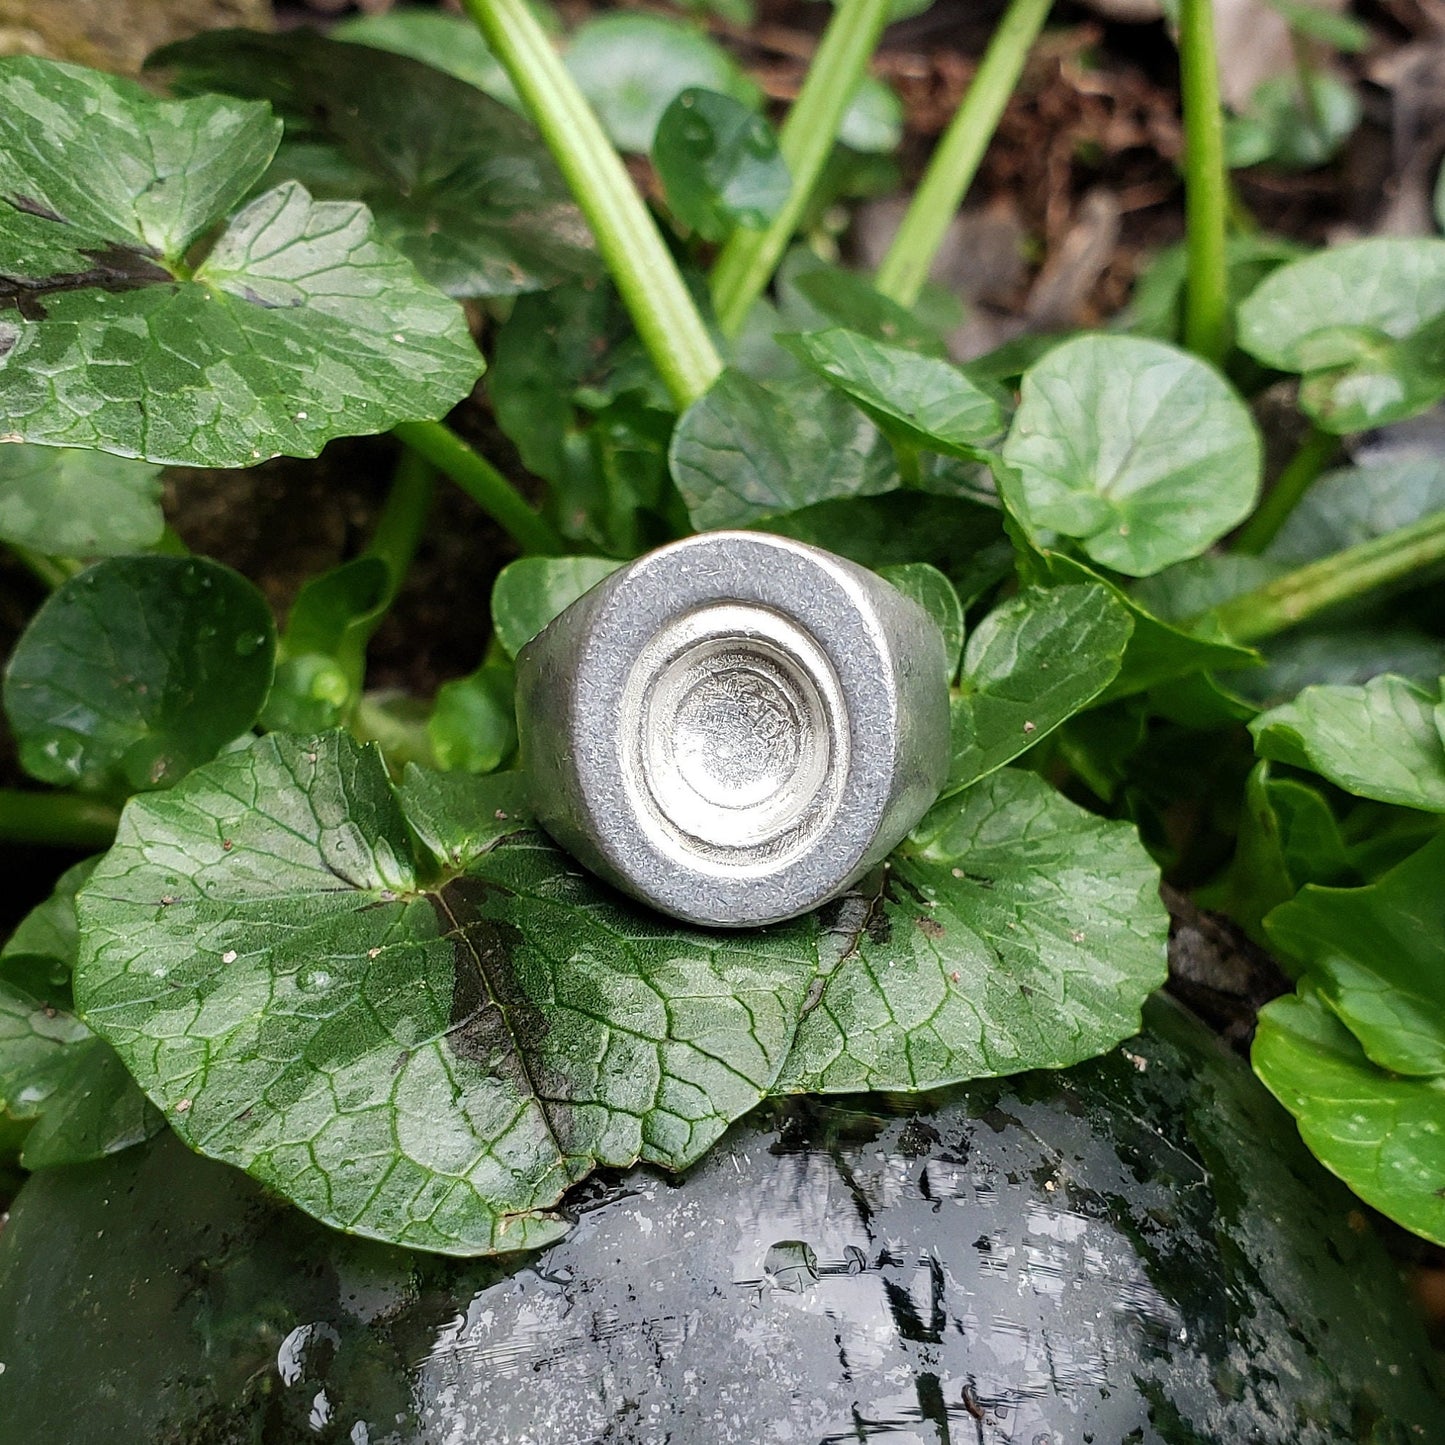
x: 1296, y: 121
x: 298, y: 324
x: 473, y: 727
x: 1339, y: 32
x: 873, y: 122
x: 445, y: 42
x: 321, y: 659
x: 917, y: 401
x: 1341, y: 654
x: 137, y: 670
x: 963, y: 538
x: 458, y: 183
x: 1357, y: 504
x: 1189, y: 590
x: 531, y: 591
x: 67, y: 1086
x: 933, y: 592
x: 719, y: 164
x: 1384, y: 1136
x: 1158, y: 651
x: 1362, y: 324
x: 1375, y: 955
x: 1014, y: 930
x: 815, y: 296
x: 1377, y: 741
x: 71, y: 503
x: 745, y: 452
x: 1031, y: 664
x: 1141, y: 452
x: 424, y: 1048
x: 632, y: 66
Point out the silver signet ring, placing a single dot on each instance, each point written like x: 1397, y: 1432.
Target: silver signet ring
x: 736, y: 727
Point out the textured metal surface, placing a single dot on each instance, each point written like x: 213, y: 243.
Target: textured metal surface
x: 735, y: 727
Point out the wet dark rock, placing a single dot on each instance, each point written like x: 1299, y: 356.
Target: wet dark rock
x: 1137, y: 1252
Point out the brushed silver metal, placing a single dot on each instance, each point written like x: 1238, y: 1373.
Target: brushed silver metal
x: 736, y: 727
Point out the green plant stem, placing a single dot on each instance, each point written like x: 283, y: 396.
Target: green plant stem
x: 642, y: 268
x: 1206, y: 185
x: 748, y: 261
x: 482, y: 482
x: 66, y: 820
x: 1298, y: 476
x: 403, y: 518
x: 47, y: 570
x: 956, y: 160
x: 1300, y: 594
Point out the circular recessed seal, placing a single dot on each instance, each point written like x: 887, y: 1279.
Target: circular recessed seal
x: 734, y: 727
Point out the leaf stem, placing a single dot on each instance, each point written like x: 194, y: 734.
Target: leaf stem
x: 1298, y: 475
x: 1206, y: 186
x: 47, y: 570
x: 482, y: 482
x: 642, y: 268
x: 956, y: 160
x: 65, y: 820
x: 749, y: 259
x: 403, y: 517
x: 1300, y: 594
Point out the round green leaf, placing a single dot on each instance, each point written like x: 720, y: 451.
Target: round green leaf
x: 72, y: 503
x: 631, y: 66
x: 298, y: 324
x: 938, y: 597
x: 473, y: 727
x: 446, y: 42
x: 1364, y: 324
x: 718, y: 162
x: 873, y: 122
x: 137, y: 670
x: 1383, y: 1135
x: 1141, y: 452
x: 1381, y: 740
x: 531, y: 591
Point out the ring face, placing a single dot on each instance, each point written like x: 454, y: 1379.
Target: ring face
x: 734, y: 727
x: 735, y: 737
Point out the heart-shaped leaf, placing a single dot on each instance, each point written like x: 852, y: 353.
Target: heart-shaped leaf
x: 473, y: 727
x: 1141, y: 452
x: 73, y: 503
x: 1383, y: 1135
x: 746, y: 451
x: 1031, y: 664
x: 296, y: 325
x: 917, y: 401
x: 458, y: 183
x: 1379, y: 741
x: 1012, y: 931
x: 718, y: 162
x: 446, y: 42
x: 1364, y: 324
x: 137, y: 670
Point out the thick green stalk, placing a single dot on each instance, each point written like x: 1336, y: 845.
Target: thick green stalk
x: 403, y: 518
x: 1206, y: 185
x: 1314, y: 455
x: 749, y: 259
x: 482, y: 482
x: 48, y: 571
x: 668, y: 322
x: 1300, y: 594
x: 66, y: 820
x: 956, y: 160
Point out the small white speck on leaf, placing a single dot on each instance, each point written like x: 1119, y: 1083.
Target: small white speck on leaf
x: 229, y: 956
x: 183, y: 1107
x: 1030, y: 727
